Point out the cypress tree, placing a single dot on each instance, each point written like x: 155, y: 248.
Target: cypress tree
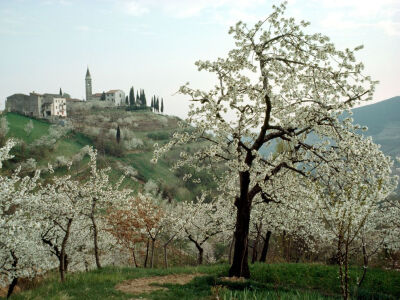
x: 126, y: 100
x: 60, y: 92
x: 137, y: 98
x: 131, y: 97
x: 118, y: 135
x: 141, y: 97
x: 144, y: 103
x: 103, y: 96
x: 162, y: 105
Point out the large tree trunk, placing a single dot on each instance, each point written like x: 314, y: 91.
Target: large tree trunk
x: 240, y: 265
x: 200, y: 249
x: 95, y: 234
x: 15, y: 280
x: 264, y: 252
x: 11, y: 287
x: 62, y: 258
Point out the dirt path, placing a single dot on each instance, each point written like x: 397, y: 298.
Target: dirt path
x: 143, y: 285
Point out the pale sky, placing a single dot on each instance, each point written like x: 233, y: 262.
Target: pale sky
x: 153, y: 44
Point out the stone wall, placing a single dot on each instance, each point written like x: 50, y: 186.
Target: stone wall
x: 29, y: 105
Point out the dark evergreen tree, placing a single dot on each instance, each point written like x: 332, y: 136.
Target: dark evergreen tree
x: 103, y: 96
x: 152, y: 103
x: 132, y: 97
x: 158, y: 104
x: 118, y: 134
x: 60, y: 92
x: 141, y: 97
x: 144, y: 103
x: 162, y: 105
x: 127, y: 100
x: 137, y: 98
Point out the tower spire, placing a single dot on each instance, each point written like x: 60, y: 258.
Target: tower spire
x: 88, y: 85
x: 87, y: 72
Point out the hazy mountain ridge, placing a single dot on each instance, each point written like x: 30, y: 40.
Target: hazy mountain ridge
x: 383, y: 122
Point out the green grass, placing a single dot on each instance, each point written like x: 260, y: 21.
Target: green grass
x: 272, y: 294
x: 269, y: 281
x: 141, y: 162
x: 17, y: 124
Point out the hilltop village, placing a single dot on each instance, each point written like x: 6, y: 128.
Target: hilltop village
x: 50, y: 106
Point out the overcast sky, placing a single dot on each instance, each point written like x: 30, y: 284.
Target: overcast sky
x: 153, y: 44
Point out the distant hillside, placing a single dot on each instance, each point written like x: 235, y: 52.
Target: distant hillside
x: 97, y: 127
x: 383, y: 122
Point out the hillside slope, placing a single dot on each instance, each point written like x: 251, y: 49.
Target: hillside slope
x: 140, y: 130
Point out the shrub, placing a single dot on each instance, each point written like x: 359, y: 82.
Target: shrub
x: 113, y: 149
x: 61, y: 161
x: 133, y: 143
x: 29, y: 165
x: 92, y: 131
x: 158, y: 135
x: 112, y: 133
x: 127, y: 134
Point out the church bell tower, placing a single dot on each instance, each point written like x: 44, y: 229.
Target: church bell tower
x: 88, y: 82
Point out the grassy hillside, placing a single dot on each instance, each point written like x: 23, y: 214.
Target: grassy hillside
x: 269, y: 281
x: 17, y: 124
x: 97, y: 128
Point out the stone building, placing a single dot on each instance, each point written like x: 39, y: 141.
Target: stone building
x: 115, y: 97
x: 37, y: 105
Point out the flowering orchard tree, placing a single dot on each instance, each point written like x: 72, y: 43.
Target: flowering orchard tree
x: 350, y: 196
x: 278, y: 84
x: 206, y: 220
x: 392, y: 213
x: 391, y: 210
x: 59, y: 212
x: 175, y: 219
x: 123, y: 223
x: 139, y: 220
x: 151, y: 215
x: 21, y: 251
x: 98, y: 195
x: 292, y: 213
